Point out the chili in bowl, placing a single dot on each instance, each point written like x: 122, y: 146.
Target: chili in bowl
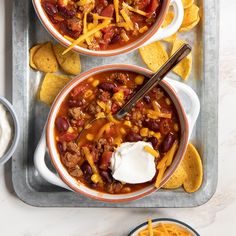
x: 87, y: 163
x: 107, y: 28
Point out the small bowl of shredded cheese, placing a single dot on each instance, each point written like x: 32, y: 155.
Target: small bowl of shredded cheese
x: 9, y: 130
x: 164, y: 227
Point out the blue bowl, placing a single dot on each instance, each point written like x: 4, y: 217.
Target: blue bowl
x: 143, y: 226
x: 15, y: 129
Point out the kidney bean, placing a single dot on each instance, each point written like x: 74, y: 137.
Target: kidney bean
x: 147, y: 99
x: 152, y: 125
x: 133, y: 137
x: 60, y: 147
x: 87, y: 172
x: 110, y: 87
x: 115, y: 39
x: 154, y: 142
x: 62, y: 124
x: 106, y: 176
x: 168, y: 142
x: 50, y: 8
x: 66, y: 12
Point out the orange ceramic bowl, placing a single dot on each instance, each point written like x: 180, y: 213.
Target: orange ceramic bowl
x: 81, y: 188
x: 154, y: 33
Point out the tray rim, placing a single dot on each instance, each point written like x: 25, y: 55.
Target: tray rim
x: 21, y: 183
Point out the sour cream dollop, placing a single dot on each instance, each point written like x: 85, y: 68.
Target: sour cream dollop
x: 131, y: 164
x: 5, y: 131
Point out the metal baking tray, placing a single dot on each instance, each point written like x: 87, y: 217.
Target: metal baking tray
x: 33, y: 190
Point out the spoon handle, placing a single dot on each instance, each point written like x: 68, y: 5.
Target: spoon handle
x: 154, y: 80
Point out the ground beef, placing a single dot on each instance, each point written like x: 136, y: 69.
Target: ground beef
x: 73, y: 148
x: 102, y: 145
x: 71, y: 160
x: 76, y: 172
x: 76, y: 113
x: 121, y: 78
x: 93, y: 108
x: 75, y: 24
x: 104, y: 96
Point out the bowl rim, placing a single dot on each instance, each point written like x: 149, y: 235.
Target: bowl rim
x: 74, y: 82
x: 46, y: 22
x: 159, y: 220
x: 16, y: 129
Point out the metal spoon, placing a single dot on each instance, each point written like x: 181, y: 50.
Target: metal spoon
x: 154, y: 80
x: 151, y: 83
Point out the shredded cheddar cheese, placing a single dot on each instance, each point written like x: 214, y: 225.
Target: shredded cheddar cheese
x: 136, y: 10
x: 124, y: 25
x: 166, y: 229
x: 127, y: 19
x: 90, y: 160
x: 151, y: 151
x: 116, y: 5
x: 100, y: 26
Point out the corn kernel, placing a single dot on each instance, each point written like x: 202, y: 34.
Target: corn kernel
x: 95, y: 178
x: 79, y: 15
x: 168, y: 102
x: 157, y: 135
x: 117, y: 141
x: 90, y: 137
x: 136, y: 129
x: 122, y: 130
x: 102, y: 105
x: 144, y: 132
x: 88, y: 93
x: 90, y: 26
x: 118, y: 96
x: 70, y: 130
x: 90, y: 79
x: 151, y: 133
x: 127, y: 123
x: 100, y: 115
x: 143, y: 29
x: 98, y: 34
x: 139, y: 79
x: 95, y: 83
x: 176, y: 127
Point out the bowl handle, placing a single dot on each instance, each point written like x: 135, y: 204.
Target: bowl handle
x: 40, y: 165
x: 173, y: 26
x: 189, y: 100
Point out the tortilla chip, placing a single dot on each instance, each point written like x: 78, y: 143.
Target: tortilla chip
x: 33, y: 50
x: 154, y: 55
x: 170, y: 39
x: 191, y: 15
x: 189, y: 27
x: 192, y: 165
x: 168, y: 19
x: 183, y: 69
x: 187, y: 3
x: 69, y: 62
x: 52, y: 84
x: 177, y: 179
x: 45, y: 60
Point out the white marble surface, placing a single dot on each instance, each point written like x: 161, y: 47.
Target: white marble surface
x: 217, y: 217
